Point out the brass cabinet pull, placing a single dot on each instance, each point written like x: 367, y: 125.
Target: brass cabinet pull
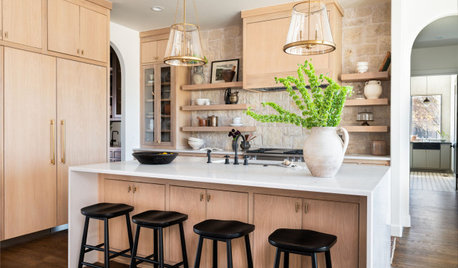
x: 62, y: 141
x: 129, y: 188
x: 53, y: 144
x: 208, y: 197
x: 82, y: 51
x: 134, y: 189
x: 6, y: 34
x: 78, y: 51
x: 156, y: 58
x: 297, y: 206
x: 306, y: 208
x: 201, y: 197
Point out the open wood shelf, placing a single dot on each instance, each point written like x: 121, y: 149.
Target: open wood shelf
x: 363, y: 129
x: 366, y: 102
x: 238, y: 84
x: 362, y: 77
x: 218, y: 129
x: 215, y: 107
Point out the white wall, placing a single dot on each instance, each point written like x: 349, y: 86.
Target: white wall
x: 408, y: 18
x: 434, y: 60
x: 126, y: 43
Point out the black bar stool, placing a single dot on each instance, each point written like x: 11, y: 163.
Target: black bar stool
x: 158, y: 220
x: 218, y: 230
x: 104, y: 211
x: 302, y: 242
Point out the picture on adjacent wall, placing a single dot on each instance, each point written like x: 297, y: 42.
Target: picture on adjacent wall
x: 225, y: 71
x: 386, y: 63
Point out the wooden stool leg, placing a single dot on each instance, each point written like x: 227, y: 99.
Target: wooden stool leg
x: 183, y: 247
x: 129, y: 232
x: 215, y: 254
x: 161, y: 248
x: 327, y: 254
x: 199, y: 252
x: 277, y: 259
x: 133, y: 261
x: 107, y: 244
x: 248, y: 251
x: 156, y: 248
x: 286, y: 259
x: 83, y: 242
x: 229, y: 254
x: 314, y: 263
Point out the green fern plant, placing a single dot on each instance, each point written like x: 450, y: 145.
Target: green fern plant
x: 319, y: 107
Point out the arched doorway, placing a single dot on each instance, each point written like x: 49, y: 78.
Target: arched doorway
x: 115, y: 107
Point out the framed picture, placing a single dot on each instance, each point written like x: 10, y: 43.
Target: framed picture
x: 219, y: 66
x: 386, y: 63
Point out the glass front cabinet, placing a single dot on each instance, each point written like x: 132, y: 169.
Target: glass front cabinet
x: 157, y: 111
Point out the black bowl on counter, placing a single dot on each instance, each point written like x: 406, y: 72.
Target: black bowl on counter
x: 155, y: 158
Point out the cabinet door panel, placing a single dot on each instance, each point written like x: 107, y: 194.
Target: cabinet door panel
x: 161, y: 47
x: 116, y: 191
x: 93, y: 35
x: 188, y: 201
x: 445, y: 157
x: 22, y: 22
x: 63, y: 27
x: 147, y: 196
x: 30, y: 177
x: 339, y: 219
x: 270, y: 213
x: 419, y: 158
x: 218, y: 207
x: 82, y: 121
x: 149, y: 52
x: 433, y: 158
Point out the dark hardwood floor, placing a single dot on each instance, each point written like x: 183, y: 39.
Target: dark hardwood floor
x: 432, y: 241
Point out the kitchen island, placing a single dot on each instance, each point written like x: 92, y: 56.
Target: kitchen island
x: 354, y: 206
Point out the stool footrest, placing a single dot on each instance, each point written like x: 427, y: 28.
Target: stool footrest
x: 92, y: 265
x: 115, y: 253
x: 91, y: 248
x: 147, y: 259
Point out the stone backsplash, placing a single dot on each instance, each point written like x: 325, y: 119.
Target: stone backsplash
x: 366, y: 37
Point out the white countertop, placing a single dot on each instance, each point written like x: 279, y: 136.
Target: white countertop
x: 352, y: 179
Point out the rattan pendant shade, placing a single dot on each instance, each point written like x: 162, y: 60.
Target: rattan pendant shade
x: 309, y: 31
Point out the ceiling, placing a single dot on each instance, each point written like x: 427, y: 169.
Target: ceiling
x: 137, y: 14
x: 442, y: 32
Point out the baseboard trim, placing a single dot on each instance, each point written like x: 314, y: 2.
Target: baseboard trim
x: 396, y: 230
x: 33, y: 236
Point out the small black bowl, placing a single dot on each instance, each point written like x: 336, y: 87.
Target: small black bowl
x: 155, y: 158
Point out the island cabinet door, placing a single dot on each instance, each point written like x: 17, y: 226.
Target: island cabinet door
x: 147, y: 196
x: 190, y: 201
x: 339, y: 219
x: 227, y: 205
x: 117, y: 191
x: 270, y: 213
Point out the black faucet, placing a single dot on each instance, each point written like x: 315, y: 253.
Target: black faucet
x: 112, y: 141
x: 236, y: 156
x: 209, y: 156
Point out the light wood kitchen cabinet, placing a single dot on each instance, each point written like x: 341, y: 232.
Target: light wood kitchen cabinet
x: 30, y: 142
x: 142, y: 196
x: 337, y: 218
x: 190, y: 201
x: 1, y: 141
x: 270, y: 213
x: 77, y: 30
x: 153, y: 51
x: 81, y: 135
x: 264, y: 35
x: 446, y: 156
x: 201, y: 204
x: 22, y: 22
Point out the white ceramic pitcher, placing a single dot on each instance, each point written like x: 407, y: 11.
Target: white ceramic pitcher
x: 324, y: 151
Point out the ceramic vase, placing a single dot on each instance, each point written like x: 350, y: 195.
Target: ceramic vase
x: 324, y: 151
x: 373, y: 89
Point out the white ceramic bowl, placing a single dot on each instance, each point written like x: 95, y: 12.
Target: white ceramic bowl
x: 362, y: 63
x: 202, y: 101
x: 195, y: 139
x: 196, y: 145
x: 362, y: 69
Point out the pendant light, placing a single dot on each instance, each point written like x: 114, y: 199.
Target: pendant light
x: 184, y: 46
x: 426, y: 100
x: 309, y: 31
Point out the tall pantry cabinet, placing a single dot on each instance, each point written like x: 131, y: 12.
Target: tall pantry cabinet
x: 54, y: 108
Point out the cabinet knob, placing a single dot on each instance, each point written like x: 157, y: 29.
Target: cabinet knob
x: 297, y: 207
x: 306, y: 208
x: 134, y: 189
x: 82, y: 51
x: 129, y: 188
x: 156, y: 58
x: 6, y: 34
x: 208, y: 198
x: 201, y: 197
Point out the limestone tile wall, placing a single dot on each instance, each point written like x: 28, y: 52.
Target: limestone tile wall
x: 366, y: 37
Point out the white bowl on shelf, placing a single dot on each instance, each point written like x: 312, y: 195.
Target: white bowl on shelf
x: 195, y: 143
x: 201, y: 102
